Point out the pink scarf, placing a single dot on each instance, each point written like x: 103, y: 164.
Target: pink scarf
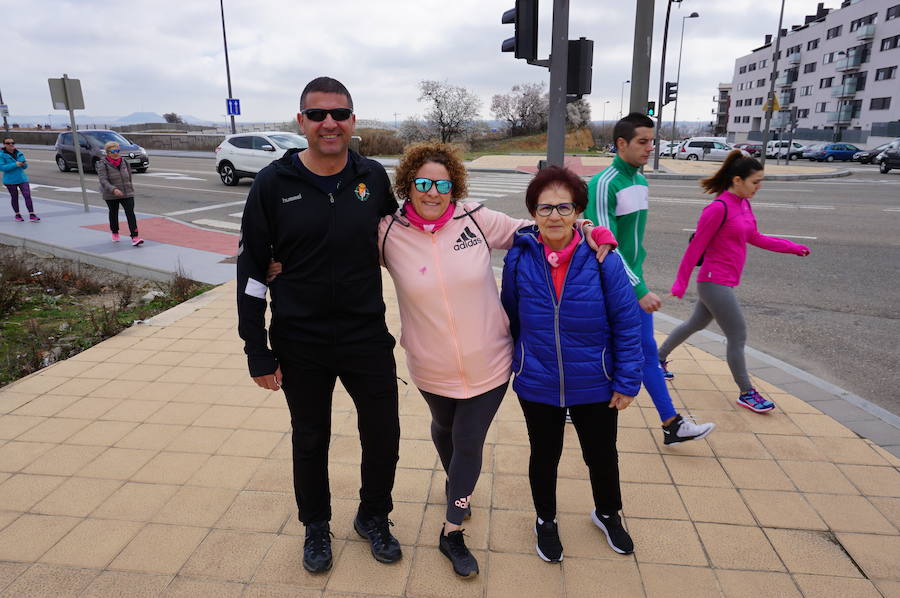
x: 429, y: 226
x: 559, y: 261
x: 114, y: 161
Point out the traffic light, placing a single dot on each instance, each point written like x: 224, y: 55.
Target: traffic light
x: 651, y: 108
x: 671, y: 92
x: 525, y: 17
x: 581, y: 58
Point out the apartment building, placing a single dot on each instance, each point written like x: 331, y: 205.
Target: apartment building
x: 722, y: 100
x: 839, y: 69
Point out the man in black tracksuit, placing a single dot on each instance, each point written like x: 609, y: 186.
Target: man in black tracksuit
x: 317, y: 211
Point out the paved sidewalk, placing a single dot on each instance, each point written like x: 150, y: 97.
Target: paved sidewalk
x: 149, y: 465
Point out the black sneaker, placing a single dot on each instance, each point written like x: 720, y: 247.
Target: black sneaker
x: 549, y: 548
x: 385, y: 547
x: 616, y: 536
x: 453, y: 546
x: 468, y: 513
x: 317, y: 547
x: 682, y: 429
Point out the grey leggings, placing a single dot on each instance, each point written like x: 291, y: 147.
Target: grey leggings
x: 719, y: 302
x: 458, y: 429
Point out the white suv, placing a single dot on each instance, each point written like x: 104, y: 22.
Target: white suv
x: 704, y: 148
x: 245, y: 154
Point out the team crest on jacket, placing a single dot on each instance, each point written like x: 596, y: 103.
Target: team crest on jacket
x: 362, y: 192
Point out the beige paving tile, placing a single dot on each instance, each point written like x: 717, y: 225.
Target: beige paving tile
x: 102, y: 433
x: 357, y: 569
x: 202, y: 360
x: 10, y: 571
x: 77, y: 497
x: 258, y: 511
x: 279, y: 591
x: 873, y: 481
x: 30, y: 536
x: 222, y: 471
x: 150, y: 436
x: 54, y: 429
x: 850, y: 514
x: 822, y: 586
x: 177, y: 413
x: 39, y: 384
x: 510, y: 459
x: 116, y: 463
x: 877, y: 555
x: 742, y: 445
x: 106, y: 370
x: 162, y: 390
x: 697, y: 471
x: 811, y: 552
x: 417, y: 454
x: 12, y: 426
x: 573, y: 496
x: 601, y: 579
x: 170, y: 468
x: 282, y: 564
x: 820, y: 425
x: 412, y: 485
x: 522, y: 575
x: 144, y: 372
x: 118, y: 584
x: 431, y: 576
x: 64, y: 459
x: 15, y: 455
x: 224, y: 416
x: 795, y: 448
x: 92, y: 543
x: 791, y: 404
x: 265, y: 418
x: 135, y: 502
x: 159, y: 549
x: 513, y: 531
x: 78, y: 386
x: 817, y: 476
x: 7, y: 517
x: 662, y: 581
x: 120, y: 389
x: 665, y: 541
x: 196, y: 506
x: 45, y: 405
x: 41, y: 581
x: 753, y: 584
x: 715, y: 505
x: 755, y: 551
x: 273, y: 475
x: 20, y: 492
x: 133, y: 410
x: 89, y: 407
x: 132, y: 356
x: 889, y: 507
x: 11, y: 400
x: 640, y: 467
x: 184, y: 587
x: 756, y: 474
x: 889, y: 589
x: 67, y: 368
x: 230, y: 555
x: 635, y: 440
x: 782, y: 509
x: 250, y: 443
x: 200, y: 440
x: 652, y: 500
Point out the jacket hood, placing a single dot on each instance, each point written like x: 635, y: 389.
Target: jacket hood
x: 284, y: 165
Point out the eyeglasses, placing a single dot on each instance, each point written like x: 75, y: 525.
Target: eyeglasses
x: 113, y: 151
x: 9, y: 143
x: 319, y: 114
x: 564, y: 209
x: 442, y: 186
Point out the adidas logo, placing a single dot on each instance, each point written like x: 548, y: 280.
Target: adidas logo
x: 290, y: 199
x: 466, y: 239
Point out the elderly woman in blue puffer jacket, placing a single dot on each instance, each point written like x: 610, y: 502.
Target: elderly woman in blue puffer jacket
x: 576, y: 327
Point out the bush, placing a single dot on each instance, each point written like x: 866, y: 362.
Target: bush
x: 10, y: 295
x: 379, y: 142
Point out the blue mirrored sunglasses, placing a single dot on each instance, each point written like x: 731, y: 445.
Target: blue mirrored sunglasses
x: 112, y: 151
x: 442, y: 186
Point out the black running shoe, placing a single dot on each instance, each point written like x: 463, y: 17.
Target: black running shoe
x: 616, y: 536
x: 548, y: 547
x: 453, y: 546
x: 385, y: 547
x: 317, y: 547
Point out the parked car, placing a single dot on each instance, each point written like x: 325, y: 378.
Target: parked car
x: 809, y: 151
x: 890, y: 158
x: 779, y: 148
x: 754, y: 149
x: 873, y: 155
x: 704, y: 148
x: 835, y: 151
x: 245, y: 154
x: 92, y: 142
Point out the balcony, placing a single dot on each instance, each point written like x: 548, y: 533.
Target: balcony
x: 794, y: 58
x: 848, y: 63
x: 785, y: 80
x: 848, y: 89
x: 841, y: 116
x: 784, y: 101
x: 865, y: 32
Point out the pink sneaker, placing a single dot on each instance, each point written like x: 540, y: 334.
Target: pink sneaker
x: 135, y: 241
x: 34, y: 218
x: 115, y: 237
x: 19, y: 218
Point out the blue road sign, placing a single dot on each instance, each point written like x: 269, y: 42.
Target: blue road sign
x: 233, y: 105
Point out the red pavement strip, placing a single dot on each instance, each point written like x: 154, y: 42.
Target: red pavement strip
x: 573, y: 163
x: 170, y: 232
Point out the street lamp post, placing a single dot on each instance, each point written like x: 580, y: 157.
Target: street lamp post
x: 693, y: 15
x: 662, y: 84
x: 837, y: 125
x: 771, y: 94
x: 603, y: 119
x: 227, y: 66
x: 622, y: 98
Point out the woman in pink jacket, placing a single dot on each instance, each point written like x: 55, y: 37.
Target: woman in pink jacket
x: 719, y: 248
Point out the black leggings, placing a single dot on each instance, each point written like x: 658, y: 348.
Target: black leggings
x: 128, y: 205
x: 595, y: 424
x: 458, y: 429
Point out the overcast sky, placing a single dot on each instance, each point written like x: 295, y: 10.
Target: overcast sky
x: 166, y: 55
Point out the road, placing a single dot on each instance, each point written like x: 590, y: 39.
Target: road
x: 835, y: 314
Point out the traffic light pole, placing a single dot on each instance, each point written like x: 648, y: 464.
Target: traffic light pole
x: 662, y: 86
x: 771, y: 103
x: 640, y: 61
x: 559, y: 60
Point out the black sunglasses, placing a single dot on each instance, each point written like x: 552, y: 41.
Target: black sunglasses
x: 319, y: 114
x: 9, y: 143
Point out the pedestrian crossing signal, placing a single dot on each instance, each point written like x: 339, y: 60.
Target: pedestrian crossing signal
x: 651, y: 108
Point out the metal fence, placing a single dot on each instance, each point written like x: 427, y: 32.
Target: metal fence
x: 891, y: 129
x: 849, y: 135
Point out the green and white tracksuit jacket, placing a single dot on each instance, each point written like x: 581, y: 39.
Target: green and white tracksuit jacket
x: 617, y: 199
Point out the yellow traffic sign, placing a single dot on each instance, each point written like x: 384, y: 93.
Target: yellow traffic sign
x: 775, y: 108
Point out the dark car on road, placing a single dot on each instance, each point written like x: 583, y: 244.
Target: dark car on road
x: 809, y: 151
x: 890, y: 158
x: 754, y: 149
x: 835, y: 151
x: 92, y: 142
x: 872, y: 156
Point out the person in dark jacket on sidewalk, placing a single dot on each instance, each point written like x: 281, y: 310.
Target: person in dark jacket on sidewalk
x: 317, y: 212
x: 576, y: 329
x: 117, y: 190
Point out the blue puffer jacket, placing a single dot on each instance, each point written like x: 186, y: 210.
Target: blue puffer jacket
x: 13, y: 174
x: 582, y: 348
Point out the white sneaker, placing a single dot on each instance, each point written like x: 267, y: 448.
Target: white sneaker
x: 682, y: 429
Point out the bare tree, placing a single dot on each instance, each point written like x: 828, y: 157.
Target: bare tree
x: 171, y: 117
x: 412, y: 130
x: 452, y: 109
x: 578, y: 114
x: 524, y: 109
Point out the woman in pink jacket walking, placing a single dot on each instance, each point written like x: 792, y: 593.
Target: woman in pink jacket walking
x: 719, y: 248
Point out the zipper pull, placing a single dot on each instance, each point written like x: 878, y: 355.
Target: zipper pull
x: 331, y: 198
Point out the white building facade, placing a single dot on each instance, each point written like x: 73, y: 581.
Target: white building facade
x: 840, y: 70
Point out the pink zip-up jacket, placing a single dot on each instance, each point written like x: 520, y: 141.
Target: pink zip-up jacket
x: 724, y: 249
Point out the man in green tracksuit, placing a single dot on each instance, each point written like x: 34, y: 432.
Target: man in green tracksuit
x: 617, y: 199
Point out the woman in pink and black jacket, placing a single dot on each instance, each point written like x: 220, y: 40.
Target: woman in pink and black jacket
x: 719, y: 248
